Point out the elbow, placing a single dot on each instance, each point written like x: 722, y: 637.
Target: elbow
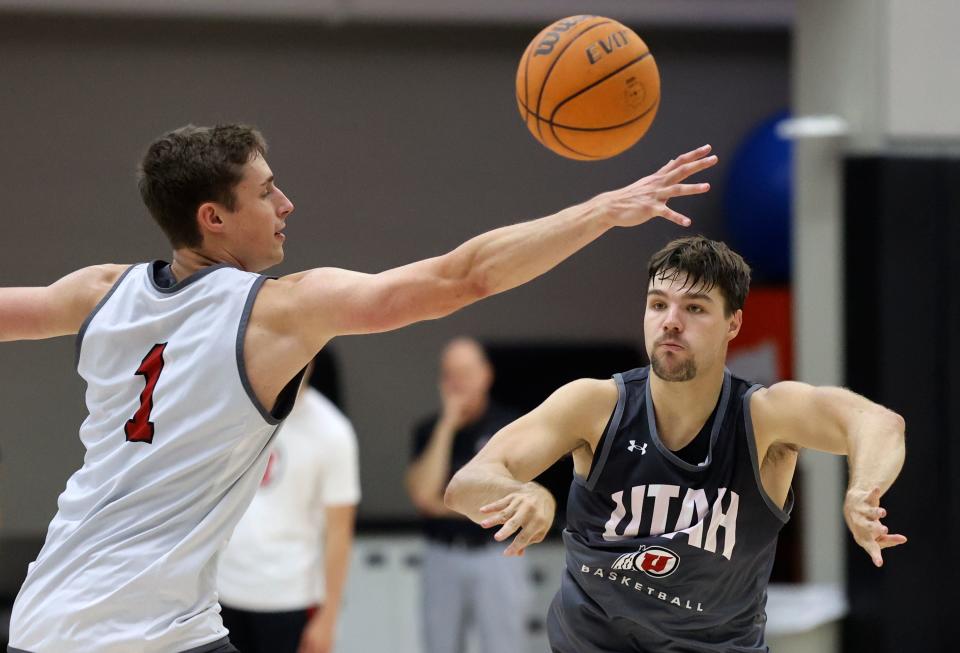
x: 470, y: 279
x: 478, y: 286
x: 897, y: 423
x: 452, y: 495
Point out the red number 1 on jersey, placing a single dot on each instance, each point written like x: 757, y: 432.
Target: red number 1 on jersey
x: 140, y: 428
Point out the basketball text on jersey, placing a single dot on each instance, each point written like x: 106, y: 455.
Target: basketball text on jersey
x: 618, y: 577
x: 687, y: 516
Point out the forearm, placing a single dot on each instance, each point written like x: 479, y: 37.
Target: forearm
x: 339, y: 542
x: 510, y: 256
x: 875, y: 450
x: 429, y: 473
x: 477, y: 485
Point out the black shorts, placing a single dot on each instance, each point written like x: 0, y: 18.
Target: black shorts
x: 265, y: 632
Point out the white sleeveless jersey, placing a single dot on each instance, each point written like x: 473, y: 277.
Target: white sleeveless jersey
x: 176, y: 444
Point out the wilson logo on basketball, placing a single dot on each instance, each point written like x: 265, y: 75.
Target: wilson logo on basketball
x: 654, y: 561
x: 555, y: 31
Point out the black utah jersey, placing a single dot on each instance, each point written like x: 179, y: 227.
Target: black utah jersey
x: 664, y: 554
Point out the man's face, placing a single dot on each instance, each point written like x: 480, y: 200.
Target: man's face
x: 685, y: 329
x: 465, y: 372
x: 260, y: 212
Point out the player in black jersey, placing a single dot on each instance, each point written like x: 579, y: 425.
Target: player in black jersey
x: 682, y: 475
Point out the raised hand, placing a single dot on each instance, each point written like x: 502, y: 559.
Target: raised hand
x: 647, y: 198
x: 863, y: 513
x: 528, y: 510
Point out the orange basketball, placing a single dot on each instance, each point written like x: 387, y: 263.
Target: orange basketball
x: 588, y: 87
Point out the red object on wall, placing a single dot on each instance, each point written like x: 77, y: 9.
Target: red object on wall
x: 764, y: 346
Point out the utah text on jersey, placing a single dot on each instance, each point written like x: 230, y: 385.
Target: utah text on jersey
x: 687, y: 515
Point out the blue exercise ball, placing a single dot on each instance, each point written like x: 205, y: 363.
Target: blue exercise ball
x: 757, y: 201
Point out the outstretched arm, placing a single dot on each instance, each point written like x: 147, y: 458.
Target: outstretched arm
x: 331, y: 302
x: 55, y: 310
x: 839, y: 421
x: 496, y: 488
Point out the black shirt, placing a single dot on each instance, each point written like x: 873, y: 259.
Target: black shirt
x: 466, y: 443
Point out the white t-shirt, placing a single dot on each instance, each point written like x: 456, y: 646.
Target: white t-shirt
x: 274, y: 560
x: 176, y: 443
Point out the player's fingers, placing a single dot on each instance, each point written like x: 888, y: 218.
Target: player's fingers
x: 500, y: 517
x: 509, y: 528
x: 497, y: 505
x: 686, y: 157
x: 874, y: 497
x: 519, y: 544
x: 682, y: 190
x: 873, y: 550
x: 680, y: 173
x: 673, y: 216
x: 887, y: 541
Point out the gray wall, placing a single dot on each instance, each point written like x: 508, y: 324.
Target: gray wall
x: 395, y: 143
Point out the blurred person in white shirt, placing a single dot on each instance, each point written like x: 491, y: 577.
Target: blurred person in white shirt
x: 283, y: 573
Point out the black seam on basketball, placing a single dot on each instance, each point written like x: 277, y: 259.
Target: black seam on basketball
x: 593, y: 156
x: 593, y: 85
x: 546, y: 78
x: 598, y: 82
x: 559, y: 125
x: 583, y: 90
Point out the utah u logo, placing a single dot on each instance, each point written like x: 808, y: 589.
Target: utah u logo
x: 654, y: 561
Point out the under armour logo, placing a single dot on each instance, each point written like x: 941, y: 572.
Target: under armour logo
x: 635, y: 447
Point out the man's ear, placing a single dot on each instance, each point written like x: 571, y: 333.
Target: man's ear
x: 736, y: 321
x: 208, y: 218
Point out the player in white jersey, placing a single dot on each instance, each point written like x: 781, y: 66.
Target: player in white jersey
x: 190, y: 367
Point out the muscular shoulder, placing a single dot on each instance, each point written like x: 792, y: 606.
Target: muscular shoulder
x: 584, y: 404
x: 778, y: 411
x: 287, y: 304
x: 95, y: 277
x: 84, y: 288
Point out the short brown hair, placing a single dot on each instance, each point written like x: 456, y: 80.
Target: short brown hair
x: 192, y: 165
x: 705, y: 263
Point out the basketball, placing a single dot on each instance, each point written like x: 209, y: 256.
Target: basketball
x: 588, y: 87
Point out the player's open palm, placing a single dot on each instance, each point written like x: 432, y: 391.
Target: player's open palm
x: 863, y: 514
x: 647, y: 198
x: 527, y: 512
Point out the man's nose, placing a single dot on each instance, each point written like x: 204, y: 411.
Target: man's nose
x: 286, y: 206
x: 673, y: 320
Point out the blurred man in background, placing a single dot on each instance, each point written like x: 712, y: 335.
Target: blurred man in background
x: 465, y: 577
x: 282, y: 575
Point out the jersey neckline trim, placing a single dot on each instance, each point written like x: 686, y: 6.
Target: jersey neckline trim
x: 714, y: 431
x: 783, y: 514
x: 96, y: 309
x: 183, y: 283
